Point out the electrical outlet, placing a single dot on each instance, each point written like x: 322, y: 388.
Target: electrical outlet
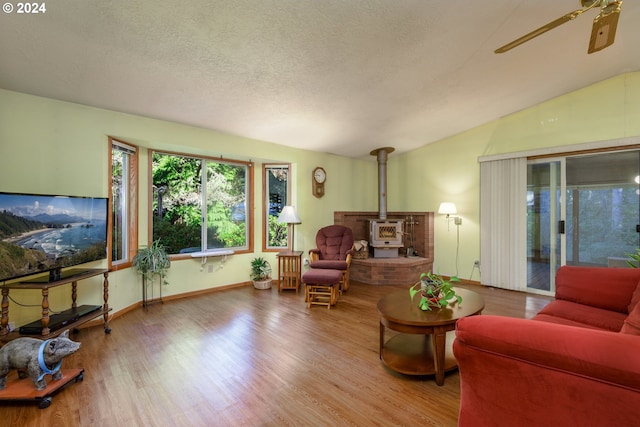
x: 476, y: 263
x: 210, y: 268
x: 11, y: 326
x: 306, y: 261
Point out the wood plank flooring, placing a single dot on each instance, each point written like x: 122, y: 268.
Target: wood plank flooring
x: 246, y: 357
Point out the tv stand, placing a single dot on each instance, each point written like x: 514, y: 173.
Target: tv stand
x: 43, y: 283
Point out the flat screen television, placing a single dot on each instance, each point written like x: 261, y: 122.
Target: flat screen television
x: 46, y: 233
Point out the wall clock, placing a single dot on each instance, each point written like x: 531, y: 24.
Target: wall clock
x: 318, y: 179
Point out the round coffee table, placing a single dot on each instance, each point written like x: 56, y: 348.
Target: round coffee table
x: 421, y: 347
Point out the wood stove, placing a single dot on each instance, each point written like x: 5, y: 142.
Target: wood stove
x: 385, y: 237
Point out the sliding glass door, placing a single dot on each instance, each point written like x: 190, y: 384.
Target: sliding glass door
x: 581, y: 210
x: 602, y: 208
x: 545, y: 211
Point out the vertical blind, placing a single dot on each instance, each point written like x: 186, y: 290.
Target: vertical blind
x: 503, y: 216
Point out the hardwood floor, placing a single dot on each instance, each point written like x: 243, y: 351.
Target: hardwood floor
x: 246, y: 357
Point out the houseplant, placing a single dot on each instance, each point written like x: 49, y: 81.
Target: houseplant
x: 261, y: 273
x: 152, y: 262
x: 435, y: 291
x: 633, y: 260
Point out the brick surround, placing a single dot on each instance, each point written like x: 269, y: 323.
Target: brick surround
x: 391, y: 271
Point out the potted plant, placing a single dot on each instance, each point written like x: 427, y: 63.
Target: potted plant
x: 261, y: 273
x: 152, y: 262
x: 435, y: 291
x: 633, y: 260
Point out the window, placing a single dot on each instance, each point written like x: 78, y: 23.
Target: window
x: 199, y: 203
x: 123, y: 196
x: 276, y: 196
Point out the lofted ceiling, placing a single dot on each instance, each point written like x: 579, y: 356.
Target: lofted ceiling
x: 336, y: 76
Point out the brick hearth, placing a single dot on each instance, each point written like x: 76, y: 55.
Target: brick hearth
x: 389, y: 271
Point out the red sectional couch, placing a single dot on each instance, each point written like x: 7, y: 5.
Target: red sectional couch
x: 576, y: 363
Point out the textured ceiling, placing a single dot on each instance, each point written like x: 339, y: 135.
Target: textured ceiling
x: 337, y: 76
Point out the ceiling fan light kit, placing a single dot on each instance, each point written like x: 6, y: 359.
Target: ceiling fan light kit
x: 603, y: 32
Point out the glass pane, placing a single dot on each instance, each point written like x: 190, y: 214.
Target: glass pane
x: 119, y: 168
x: 602, y: 209
x: 226, y: 205
x: 277, y: 184
x: 543, y: 216
x: 177, y: 202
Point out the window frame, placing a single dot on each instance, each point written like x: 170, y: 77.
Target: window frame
x: 249, y: 217
x: 131, y: 201
x: 266, y: 169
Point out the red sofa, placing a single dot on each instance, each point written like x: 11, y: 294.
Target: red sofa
x: 576, y: 363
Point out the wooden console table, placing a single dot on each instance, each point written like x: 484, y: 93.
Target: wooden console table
x: 289, y: 270
x: 42, y: 283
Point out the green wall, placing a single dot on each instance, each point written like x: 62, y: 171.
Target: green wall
x: 49, y: 146
x: 448, y: 170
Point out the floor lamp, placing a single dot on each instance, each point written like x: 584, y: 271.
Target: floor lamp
x: 289, y: 216
x: 449, y: 209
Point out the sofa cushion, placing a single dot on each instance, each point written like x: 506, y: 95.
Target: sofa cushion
x: 607, y: 288
x: 574, y: 314
x: 562, y: 321
x: 632, y: 322
x: 635, y: 298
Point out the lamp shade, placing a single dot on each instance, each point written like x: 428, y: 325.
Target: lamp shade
x: 447, y: 208
x: 289, y: 215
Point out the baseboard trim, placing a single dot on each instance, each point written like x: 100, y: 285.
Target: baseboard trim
x: 99, y: 321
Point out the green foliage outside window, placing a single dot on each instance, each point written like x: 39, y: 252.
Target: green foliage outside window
x: 117, y: 171
x: 178, y: 201
x: 277, y: 232
x: 277, y: 177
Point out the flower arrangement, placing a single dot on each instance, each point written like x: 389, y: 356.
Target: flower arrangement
x: 435, y: 290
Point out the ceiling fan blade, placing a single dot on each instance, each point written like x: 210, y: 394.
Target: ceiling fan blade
x: 588, y: 4
x: 603, y: 32
x: 535, y: 33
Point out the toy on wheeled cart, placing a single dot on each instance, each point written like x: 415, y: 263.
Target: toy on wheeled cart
x: 34, y: 359
x: 18, y: 389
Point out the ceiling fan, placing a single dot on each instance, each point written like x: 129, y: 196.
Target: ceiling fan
x: 603, y: 32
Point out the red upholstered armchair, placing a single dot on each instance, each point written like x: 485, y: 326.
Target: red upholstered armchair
x: 334, y: 245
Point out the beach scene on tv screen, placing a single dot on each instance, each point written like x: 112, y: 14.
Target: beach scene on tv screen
x: 40, y: 233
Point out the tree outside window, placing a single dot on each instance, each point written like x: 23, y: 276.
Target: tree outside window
x: 200, y: 203
x: 276, y: 178
x: 123, y: 202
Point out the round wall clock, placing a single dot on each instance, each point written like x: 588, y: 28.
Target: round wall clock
x: 318, y: 179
